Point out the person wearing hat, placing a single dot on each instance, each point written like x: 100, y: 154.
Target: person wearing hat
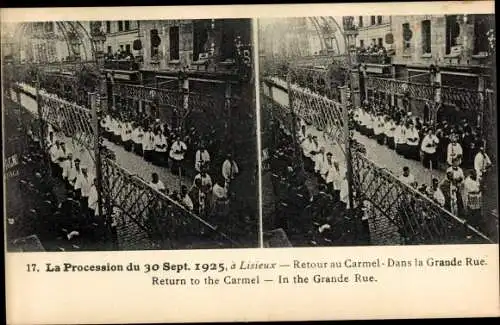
x: 202, y: 158
x: 412, y: 140
x: 429, y: 147
x: 177, y: 151
x: 454, y: 151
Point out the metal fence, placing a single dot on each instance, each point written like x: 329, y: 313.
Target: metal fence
x: 397, y: 213
x: 401, y: 88
x: 148, y: 219
x: 141, y: 216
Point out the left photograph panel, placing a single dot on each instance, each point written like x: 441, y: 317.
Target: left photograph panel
x: 129, y: 135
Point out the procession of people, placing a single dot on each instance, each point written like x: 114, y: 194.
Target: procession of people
x: 203, y: 158
x: 453, y: 148
x: 458, y: 149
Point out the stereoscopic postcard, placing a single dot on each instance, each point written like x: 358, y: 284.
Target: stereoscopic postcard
x: 250, y: 163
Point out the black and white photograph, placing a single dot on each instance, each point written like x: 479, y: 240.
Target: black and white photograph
x: 378, y: 130
x: 129, y: 135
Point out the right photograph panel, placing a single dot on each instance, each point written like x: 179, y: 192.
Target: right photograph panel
x: 378, y: 130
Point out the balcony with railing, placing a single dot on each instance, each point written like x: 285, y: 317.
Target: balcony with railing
x: 123, y: 64
x: 373, y: 58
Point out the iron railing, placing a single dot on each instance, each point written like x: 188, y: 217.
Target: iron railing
x: 401, y: 88
x: 397, y: 213
x: 126, y: 65
x: 466, y: 99
x: 374, y: 58
x: 145, y: 218
x: 148, y: 219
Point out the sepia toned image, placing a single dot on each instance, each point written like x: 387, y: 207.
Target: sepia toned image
x: 378, y: 130
x: 129, y: 135
x: 186, y: 154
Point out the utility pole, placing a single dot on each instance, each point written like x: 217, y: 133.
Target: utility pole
x: 345, y: 117
x: 294, y: 118
x: 95, y: 104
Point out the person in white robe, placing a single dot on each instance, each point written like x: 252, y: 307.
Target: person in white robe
x: 148, y: 145
x: 177, y: 152
x: 429, y: 148
x: 454, y: 151
x: 412, y: 141
x: 156, y: 183
x: 202, y: 158
x: 400, y: 138
x: 229, y: 169
x: 472, y: 198
x: 437, y: 193
x: 161, y: 146
x: 93, y: 199
x: 482, y: 163
x: 138, y: 138
x: 407, y: 177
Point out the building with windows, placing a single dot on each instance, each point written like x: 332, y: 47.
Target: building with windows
x: 48, y: 42
x: 372, y: 30
x: 170, y: 45
x: 456, y: 44
x: 372, y: 34
x: 120, y: 36
x: 436, y: 51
